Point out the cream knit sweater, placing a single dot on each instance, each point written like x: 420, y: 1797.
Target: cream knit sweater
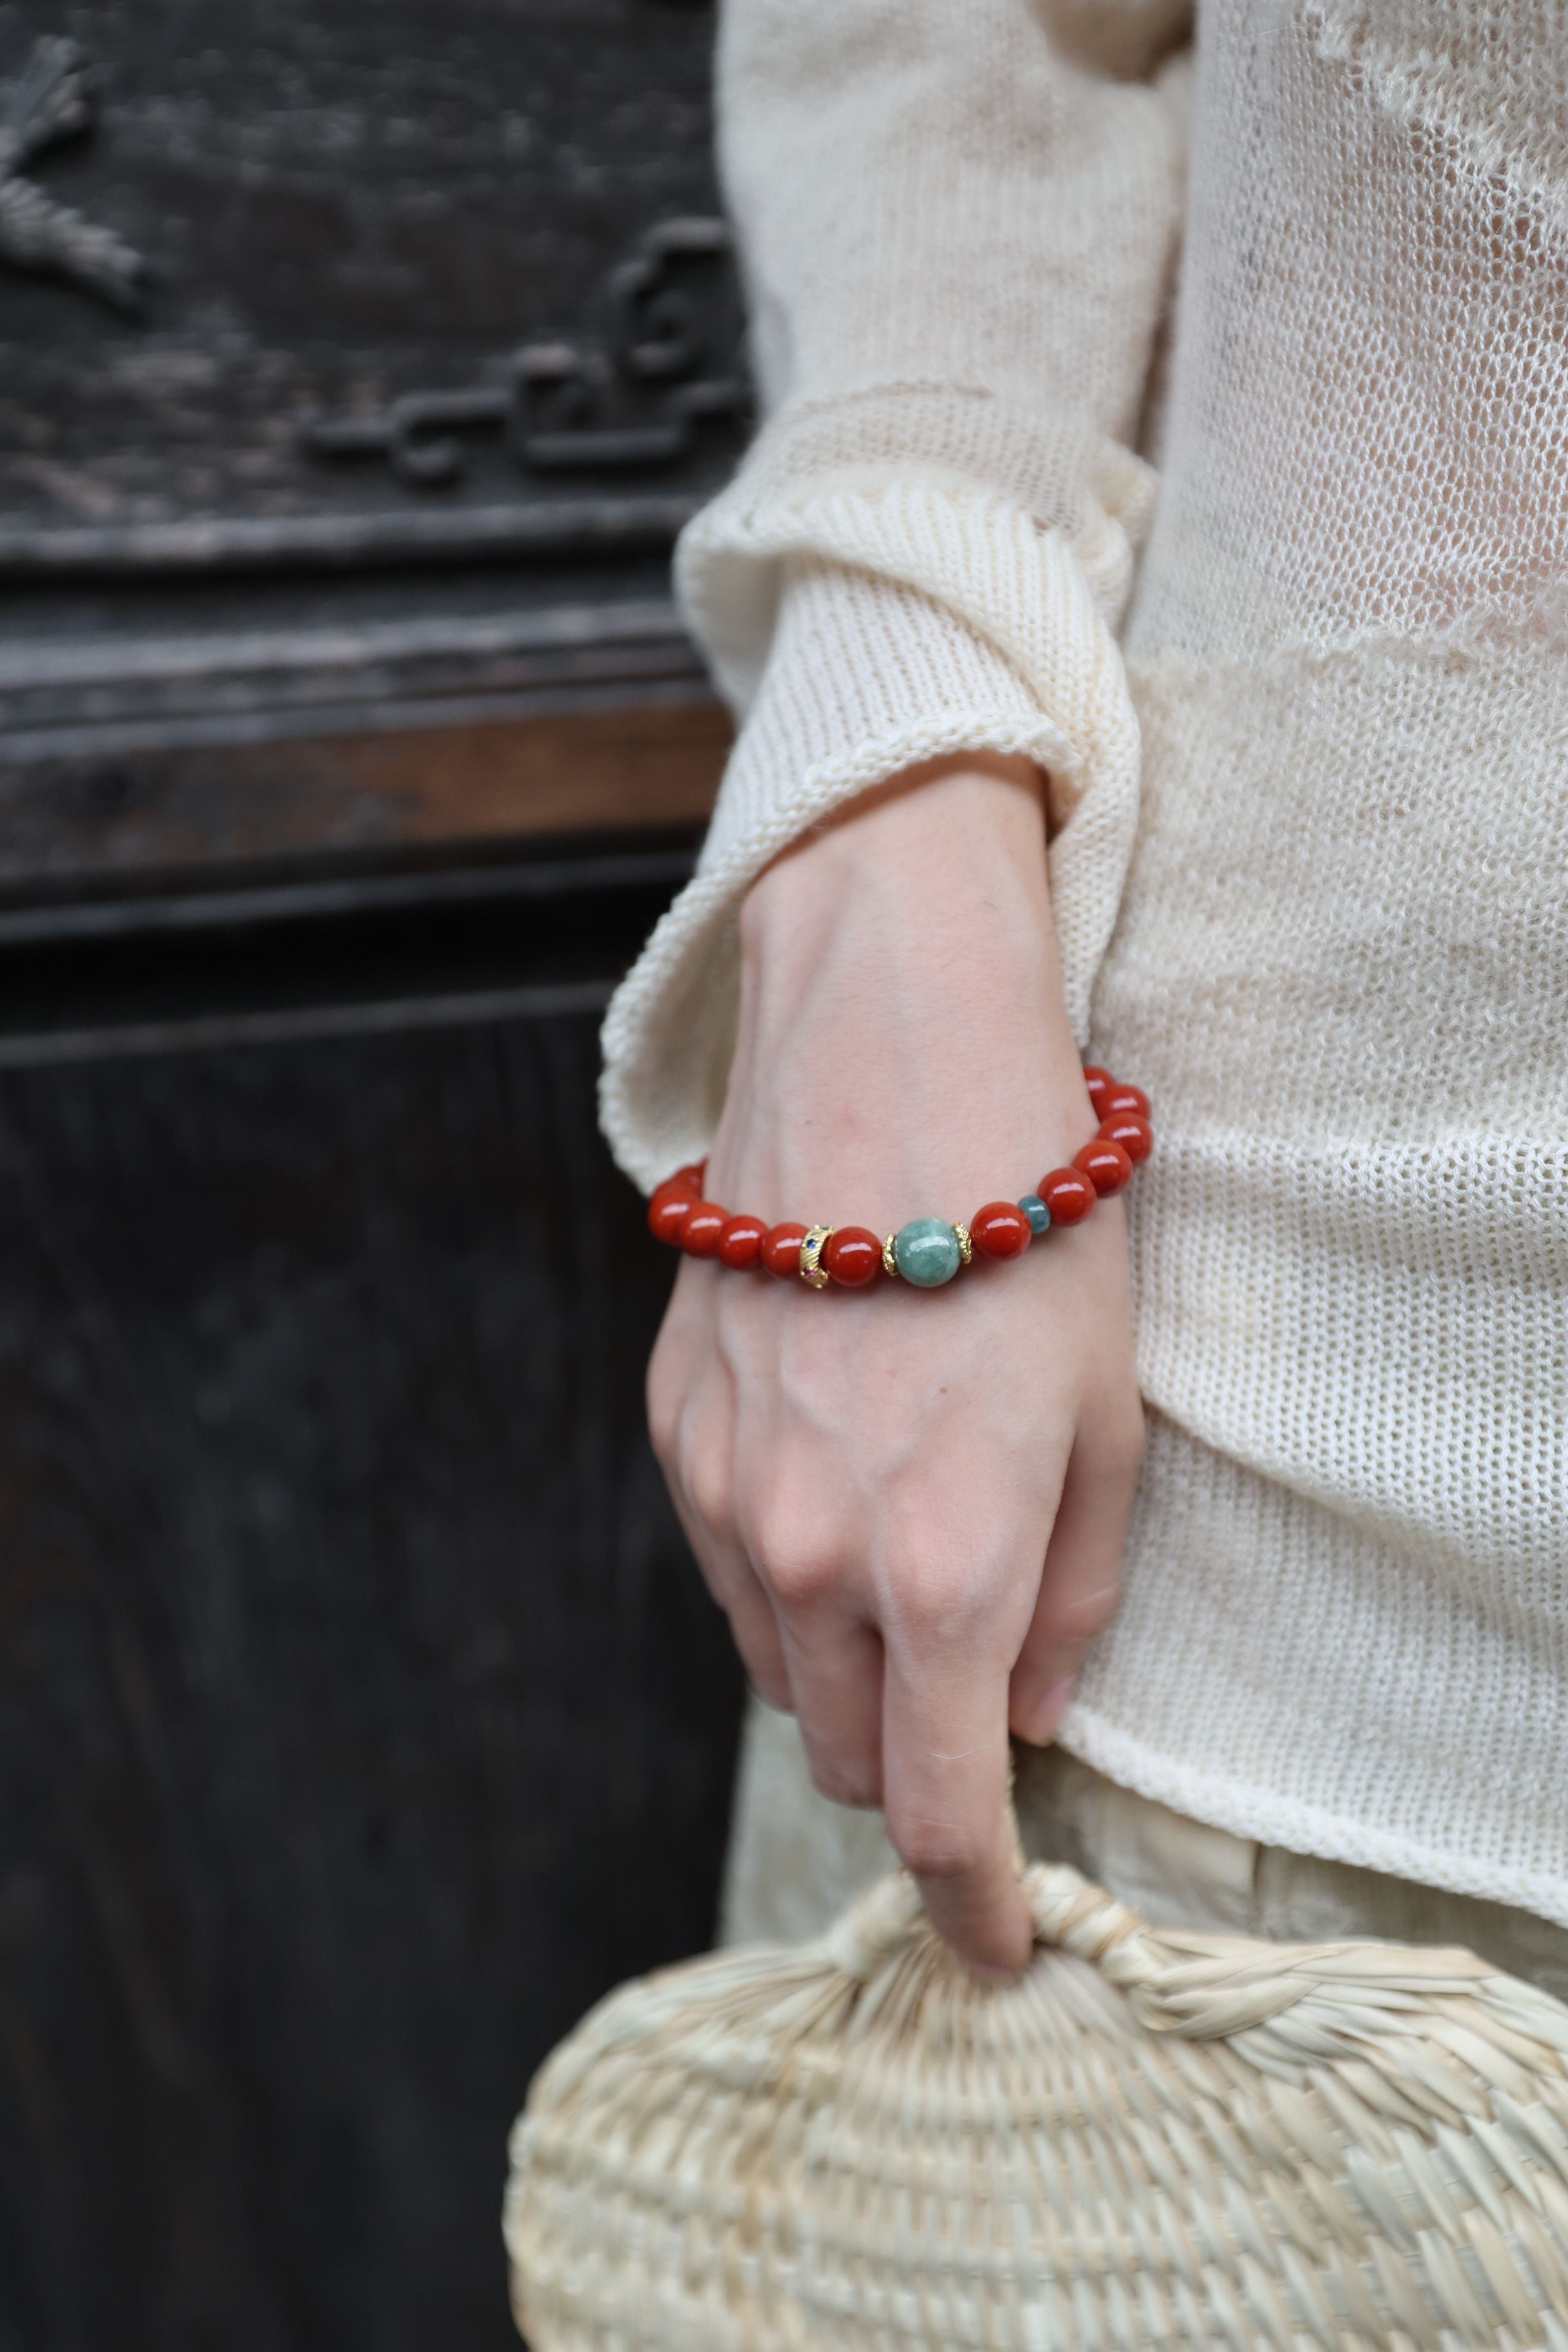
x: 1309, y: 762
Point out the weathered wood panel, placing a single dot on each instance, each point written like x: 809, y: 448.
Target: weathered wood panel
x: 362, y: 1718
x: 89, y: 818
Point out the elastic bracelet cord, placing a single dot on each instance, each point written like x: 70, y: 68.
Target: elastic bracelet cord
x: 927, y: 1252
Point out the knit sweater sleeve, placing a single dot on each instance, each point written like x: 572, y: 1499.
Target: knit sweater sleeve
x: 957, y: 221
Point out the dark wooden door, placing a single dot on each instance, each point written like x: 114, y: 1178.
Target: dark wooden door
x: 362, y: 1715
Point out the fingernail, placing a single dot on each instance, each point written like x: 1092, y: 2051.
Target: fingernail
x: 1041, y: 1718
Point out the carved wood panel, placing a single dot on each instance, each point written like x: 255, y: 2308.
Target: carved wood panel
x: 416, y: 276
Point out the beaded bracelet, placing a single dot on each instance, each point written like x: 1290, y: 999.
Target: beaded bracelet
x: 926, y: 1251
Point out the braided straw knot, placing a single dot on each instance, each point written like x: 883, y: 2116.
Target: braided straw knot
x: 1202, y: 1987
x: 1066, y: 1910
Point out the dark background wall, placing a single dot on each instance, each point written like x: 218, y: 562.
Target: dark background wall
x: 362, y: 1718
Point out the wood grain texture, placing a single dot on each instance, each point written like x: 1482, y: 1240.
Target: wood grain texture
x: 362, y: 1718
x: 68, y: 691
x: 91, y: 819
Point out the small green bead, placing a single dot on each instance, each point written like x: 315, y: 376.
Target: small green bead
x: 1037, y: 1213
x: 927, y: 1253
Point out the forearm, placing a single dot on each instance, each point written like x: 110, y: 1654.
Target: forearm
x: 956, y: 240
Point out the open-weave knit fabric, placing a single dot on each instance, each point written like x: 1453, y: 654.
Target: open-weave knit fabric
x: 1151, y: 2138
x: 1307, y: 756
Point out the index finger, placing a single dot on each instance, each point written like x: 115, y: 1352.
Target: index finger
x: 945, y: 1783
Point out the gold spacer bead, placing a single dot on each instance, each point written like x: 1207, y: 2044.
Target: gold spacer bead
x: 812, y: 1271
x: 966, y: 1246
x: 890, y: 1263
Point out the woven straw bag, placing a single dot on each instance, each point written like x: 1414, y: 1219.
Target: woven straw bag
x: 1151, y: 2138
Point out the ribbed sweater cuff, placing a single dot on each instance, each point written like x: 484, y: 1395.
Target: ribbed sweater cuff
x: 864, y: 678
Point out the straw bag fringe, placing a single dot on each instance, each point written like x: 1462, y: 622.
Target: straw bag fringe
x: 1152, y: 2138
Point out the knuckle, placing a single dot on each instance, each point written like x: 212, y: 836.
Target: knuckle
x: 844, y: 1782
x: 801, y: 1576
x: 706, y: 1485
x: 664, y: 1430
x: 933, y: 1600
x: 798, y: 1560
x: 665, y: 1400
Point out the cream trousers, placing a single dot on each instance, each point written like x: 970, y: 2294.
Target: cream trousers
x: 796, y: 1859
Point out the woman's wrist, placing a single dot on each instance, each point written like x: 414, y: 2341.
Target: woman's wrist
x: 934, y: 836
x: 902, y: 1028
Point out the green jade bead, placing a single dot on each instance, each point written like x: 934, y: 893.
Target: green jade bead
x: 926, y: 1253
x: 1037, y: 1213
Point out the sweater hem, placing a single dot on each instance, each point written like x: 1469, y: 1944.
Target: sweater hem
x: 1299, y: 1827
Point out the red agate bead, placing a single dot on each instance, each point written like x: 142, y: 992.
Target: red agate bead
x: 1124, y: 1098
x: 1106, y: 1165
x: 1135, y: 1135
x: 781, y: 1251
x: 668, y: 1207
x: 852, y: 1255
x: 1067, y: 1194
x: 741, y: 1242
x: 999, y: 1229
x: 700, y: 1234
x: 1100, y: 1083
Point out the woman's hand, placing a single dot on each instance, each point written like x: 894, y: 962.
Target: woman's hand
x: 911, y: 1504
